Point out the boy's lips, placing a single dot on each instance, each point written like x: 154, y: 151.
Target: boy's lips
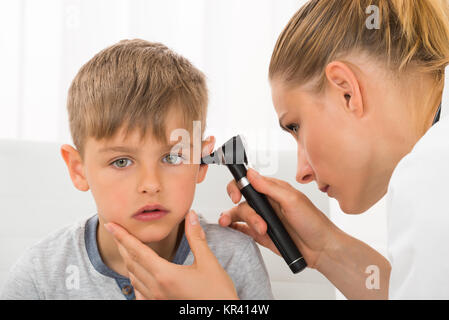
x: 150, y: 212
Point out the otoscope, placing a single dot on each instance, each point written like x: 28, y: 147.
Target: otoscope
x: 233, y: 155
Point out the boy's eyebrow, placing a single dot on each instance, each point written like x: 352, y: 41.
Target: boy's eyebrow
x: 136, y: 150
x: 118, y: 148
x: 179, y: 144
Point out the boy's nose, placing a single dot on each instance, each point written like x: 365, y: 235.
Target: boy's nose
x: 149, y: 181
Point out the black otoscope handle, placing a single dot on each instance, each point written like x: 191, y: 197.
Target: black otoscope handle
x: 275, y: 228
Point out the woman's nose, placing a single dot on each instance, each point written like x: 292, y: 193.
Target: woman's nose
x: 149, y: 181
x: 304, y: 172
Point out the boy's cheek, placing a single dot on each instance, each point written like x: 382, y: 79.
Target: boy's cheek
x: 182, y: 192
x: 113, y: 204
x: 116, y: 202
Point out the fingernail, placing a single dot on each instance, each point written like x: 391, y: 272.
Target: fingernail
x: 109, y: 228
x: 220, y: 218
x: 193, y: 218
x: 232, y: 196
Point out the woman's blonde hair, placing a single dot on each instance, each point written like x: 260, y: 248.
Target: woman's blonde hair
x: 409, y: 31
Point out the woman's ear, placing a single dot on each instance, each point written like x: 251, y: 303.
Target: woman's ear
x: 75, y: 166
x: 344, y: 82
x: 207, y: 147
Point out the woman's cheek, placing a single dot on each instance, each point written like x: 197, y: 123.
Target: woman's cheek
x: 317, y: 151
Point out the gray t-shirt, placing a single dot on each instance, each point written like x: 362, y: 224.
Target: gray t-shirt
x: 68, y: 265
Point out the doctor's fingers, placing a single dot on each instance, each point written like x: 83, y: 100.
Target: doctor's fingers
x: 139, y: 296
x: 135, y: 268
x: 280, y: 194
x: 135, y: 250
x: 277, y: 191
x: 263, y: 240
x: 145, y: 290
x: 244, y: 213
x: 141, y: 291
x: 149, y: 285
x: 234, y: 191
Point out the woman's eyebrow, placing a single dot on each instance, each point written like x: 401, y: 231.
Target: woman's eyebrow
x: 281, y: 125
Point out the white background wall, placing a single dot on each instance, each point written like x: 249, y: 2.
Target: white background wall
x: 44, y: 43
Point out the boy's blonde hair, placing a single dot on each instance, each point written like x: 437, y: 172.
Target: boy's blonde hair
x: 134, y: 84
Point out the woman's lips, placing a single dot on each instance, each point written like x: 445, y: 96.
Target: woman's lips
x: 149, y: 216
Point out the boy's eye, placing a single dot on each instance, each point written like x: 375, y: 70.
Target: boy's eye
x: 173, y: 159
x: 120, y: 163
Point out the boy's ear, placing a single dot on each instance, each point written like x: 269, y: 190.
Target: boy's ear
x: 207, y: 147
x: 75, y: 165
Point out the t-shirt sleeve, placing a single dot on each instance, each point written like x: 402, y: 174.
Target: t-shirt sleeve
x: 251, y: 276
x: 20, y: 284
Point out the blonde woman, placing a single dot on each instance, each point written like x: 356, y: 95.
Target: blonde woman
x: 359, y: 85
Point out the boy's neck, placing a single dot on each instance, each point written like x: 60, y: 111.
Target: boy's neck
x: 166, y: 248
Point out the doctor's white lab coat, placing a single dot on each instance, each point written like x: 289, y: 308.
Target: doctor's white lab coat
x: 418, y: 216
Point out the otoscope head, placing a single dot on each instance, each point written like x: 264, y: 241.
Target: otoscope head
x: 231, y: 153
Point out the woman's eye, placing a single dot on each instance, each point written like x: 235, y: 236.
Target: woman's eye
x: 120, y: 163
x: 293, y: 128
x: 173, y: 159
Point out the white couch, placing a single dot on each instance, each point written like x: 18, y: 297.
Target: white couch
x: 37, y: 197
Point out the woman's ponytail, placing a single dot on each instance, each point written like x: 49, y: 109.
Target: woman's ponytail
x: 424, y: 33
x: 409, y: 31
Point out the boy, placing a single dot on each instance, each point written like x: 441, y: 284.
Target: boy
x: 123, y: 106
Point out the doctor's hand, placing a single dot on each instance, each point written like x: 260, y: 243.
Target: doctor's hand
x: 156, y: 278
x: 308, y: 227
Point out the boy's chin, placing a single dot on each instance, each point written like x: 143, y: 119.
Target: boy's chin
x: 154, y: 233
